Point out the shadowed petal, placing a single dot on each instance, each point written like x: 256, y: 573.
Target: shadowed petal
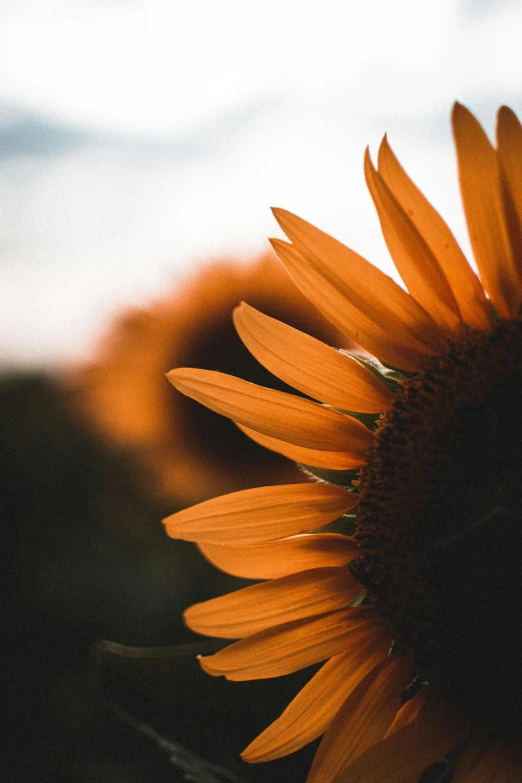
x: 404, y: 755
x: 464, y: 283
x: 309, y: 365
x: 509, y: 135
x: 272, y: 603
x: 480, y: 187
x: 279, y: 558
x: 274, y: 413
x: 363, y: 719
x: 332, y: 460
x: 292, y: 646
x: 409, y: 711
x: 310, y: 713
x: 261, y: 514
x: 486, y: 761
x: 415, y: 262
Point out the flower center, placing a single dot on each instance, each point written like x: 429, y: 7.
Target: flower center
x: 440, y: 522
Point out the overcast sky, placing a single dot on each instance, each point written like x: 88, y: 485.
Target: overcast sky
x: 141, y: 139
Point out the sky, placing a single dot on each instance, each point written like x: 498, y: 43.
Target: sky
x: 140, y: 139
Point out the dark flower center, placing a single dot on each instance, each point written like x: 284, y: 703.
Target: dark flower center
x: 440, y: 523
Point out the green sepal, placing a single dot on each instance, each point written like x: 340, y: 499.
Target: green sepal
x: 390, y: 376
x: 369, y: 420
x: 361, y: 599
x: 344, y: 525
x: 341, y: 478
x: 442, y: 770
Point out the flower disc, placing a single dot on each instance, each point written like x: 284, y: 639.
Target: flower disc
x: 439, y: 522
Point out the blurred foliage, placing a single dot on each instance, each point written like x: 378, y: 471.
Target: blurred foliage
x: 88, y: 567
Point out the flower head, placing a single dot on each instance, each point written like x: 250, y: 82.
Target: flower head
x: 400, y: 567
x: 180, y: 443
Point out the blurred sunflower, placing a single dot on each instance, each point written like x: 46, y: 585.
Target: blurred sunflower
x: 401, y: 568
x: 124, y: 390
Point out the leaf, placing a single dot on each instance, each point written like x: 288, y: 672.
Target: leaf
x: 203, y: 647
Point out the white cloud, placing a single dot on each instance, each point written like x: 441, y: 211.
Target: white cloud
x: 191, y: 119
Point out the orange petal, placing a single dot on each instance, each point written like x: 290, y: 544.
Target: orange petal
x: 481, y: 196
x: 363, y: 719
x: 261, y: 514
x: 279, y: 558
x: 409, y: 711
x: 464, y: 283
x: 413, y: 258
x: 404, y: 755
x: 485, y: 761
x: 292, y: 646
x: 367, y: 288
x: 272, y: 603
x: 310, y: 713
x: 274, y: 413
x: 331, y: 460
x: 509, y: 135
x: 309, y: 365
x: 358, y: 298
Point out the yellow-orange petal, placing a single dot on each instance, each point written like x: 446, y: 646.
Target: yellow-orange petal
x: 330, y: 296
x: 292, y: 646
x: 509, y: 136
x: 366, y: 287
x: 309, y: 365
x: 272, y: 603
x: 261, y: 514
x: 417, y: 265
x: 331, y: 460
x: 274, y: 413
x: 480, y: 187
x: 404, y: 755
x: 272, y: 559
x: 464, y: 283
x: 359, y: 299
x: 363, y: 719
x: 309, y: 714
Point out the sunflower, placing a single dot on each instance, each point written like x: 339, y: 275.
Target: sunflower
x: 400, y: 568
x: 180, y: 443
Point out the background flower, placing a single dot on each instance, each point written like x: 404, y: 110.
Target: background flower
x: 192, y: 454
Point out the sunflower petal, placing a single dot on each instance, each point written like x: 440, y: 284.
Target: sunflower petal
x: 261, y: 514
x: 309, y: 365
x: 367, y: 288
x: 480, y: 187
x: 274, y: 413
x: 404, y: 755
x: 485, y: 761
x: 314, y: 707
x: 464, y: 283
x: 272, y: 603
x: 413, y: 258
x: 332, y: 460
x: 292, y: 646
x: 364, y: 303
x: 363, y: 719
x: 509, y: 135
x: 408, y: 712
x: 278, y: 558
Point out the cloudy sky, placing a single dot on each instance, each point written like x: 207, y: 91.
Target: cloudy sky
x: 142, y: 138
